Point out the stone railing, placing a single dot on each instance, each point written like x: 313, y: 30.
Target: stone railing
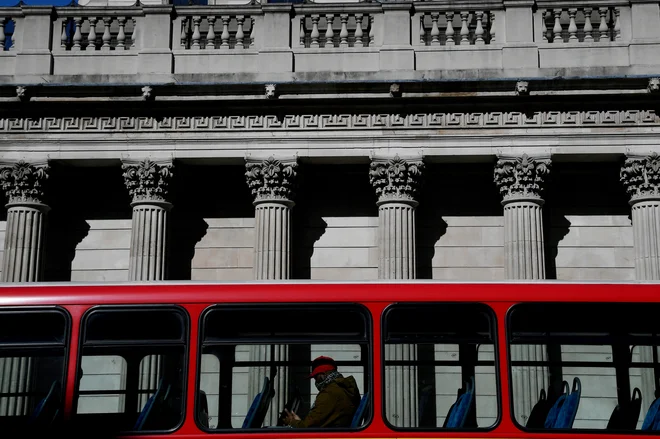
x: 441, y: 35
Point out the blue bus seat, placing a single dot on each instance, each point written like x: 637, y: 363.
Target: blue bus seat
x: 257, y: 405
x: 625, y: 417
x: 461, y: 409
x: 49, y: 407
x: 155, y: 400
x: 569, y: 409
x: 553, y: 414
x: 361, y: 411
x: 652, y: 418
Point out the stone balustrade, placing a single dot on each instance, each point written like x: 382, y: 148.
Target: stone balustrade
x: 500, y: 38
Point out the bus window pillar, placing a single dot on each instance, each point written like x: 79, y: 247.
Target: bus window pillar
x: 147, y: 182
x: 271, y: 182
x: 640, y: 175
x: 396, y: 182
x: 520, y: 180
x: 24, y: 245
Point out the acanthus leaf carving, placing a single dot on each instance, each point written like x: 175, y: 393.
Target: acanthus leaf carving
x: 23, y: 182
x: 148, y: 180
x: 641, y: 177
x: 271, y: 179
x: 521, y: 177
x: 396, y: 179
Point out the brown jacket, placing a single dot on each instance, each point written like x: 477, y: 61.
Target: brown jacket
x: 335, y: 405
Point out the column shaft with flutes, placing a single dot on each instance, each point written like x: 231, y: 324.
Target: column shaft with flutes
x: 272, y: 183
x: 520, y: 180
x: 147, y: 182
x: 640, y: 175
x: 396, y: 182
x: 23, y: 258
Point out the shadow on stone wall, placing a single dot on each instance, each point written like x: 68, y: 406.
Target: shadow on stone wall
x: 201, y: 192
x: 326, y: 191
x: 451, y: 189
x: 579, y: 189
x: 77, y: 195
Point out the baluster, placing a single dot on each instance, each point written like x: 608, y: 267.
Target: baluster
x: 449, y: 32
x: 358, y: 31
x: 372, y: 31
x: 303, y: 31
x: 603, y: 28
x: 315, y: 31
x: 492, y: 28
x: 210, y: 35
x: 77, y: 35
x: 465, y: 32
x: 544, y: 27
x: 184, y: 32
x: 250, y: 37
x: 572, y: 27
x: 225, y: 32
x: 617, y: 25
x: 196, y: 36
x: 3, y: 37
x: 435, y: 32
x: 479, y: 31
x: 91, y: 37
x: 121, y: 35
x: 557, y: 38
x: 64, y: 38
x: 134, y: 33
x: 239, y: 32
x: 343, y: 34
x: 422, y: 31
x: 107, y: 21
x: 588, y: 28
x: 329, y: 33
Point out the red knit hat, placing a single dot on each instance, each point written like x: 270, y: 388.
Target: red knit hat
x: 322, y: 364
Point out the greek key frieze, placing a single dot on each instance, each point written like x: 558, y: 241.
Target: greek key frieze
x: 331, y: 121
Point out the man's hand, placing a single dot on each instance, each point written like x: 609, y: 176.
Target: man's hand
x: 290, y: 417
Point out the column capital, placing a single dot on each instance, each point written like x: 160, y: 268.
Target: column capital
x: 396, y: 179
x: 23, y: 182
x: 271, y: 179
x: 521, y: 178
x: 640, y: 174
x: 148, y: 180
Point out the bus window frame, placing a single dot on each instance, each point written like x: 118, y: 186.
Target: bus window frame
x: 369, y: 367
x: 68, y: 325
x: 186, y: 354
x: 573, y: 431
x: 492, y: 314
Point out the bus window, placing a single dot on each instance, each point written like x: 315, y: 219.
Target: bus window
x: 33, y: 347
x: 439, y: 366
x: 255, y: 362
x: 588, y: 366
x: 132, y: 368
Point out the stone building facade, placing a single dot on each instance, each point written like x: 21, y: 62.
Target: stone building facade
x: 512, y: 140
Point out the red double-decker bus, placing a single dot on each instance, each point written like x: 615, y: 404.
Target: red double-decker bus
x: 430, y: 359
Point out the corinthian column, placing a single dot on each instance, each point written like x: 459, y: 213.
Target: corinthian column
x: 22, y: 262
x: 271, y: 182
x: 520, y: 181
x: 396, y: 182
x: 640, y: 176
x: 147, y: 182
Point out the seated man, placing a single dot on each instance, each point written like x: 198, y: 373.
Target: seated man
x: 336, y: 402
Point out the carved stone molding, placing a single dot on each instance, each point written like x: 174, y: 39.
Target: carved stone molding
x: 23, y: 182
x: 521, y: 177
x: 396, y: 179
x: 271, y: 179
x: 355, y: 121
x: 147, y: 180
x: 641, y: 177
